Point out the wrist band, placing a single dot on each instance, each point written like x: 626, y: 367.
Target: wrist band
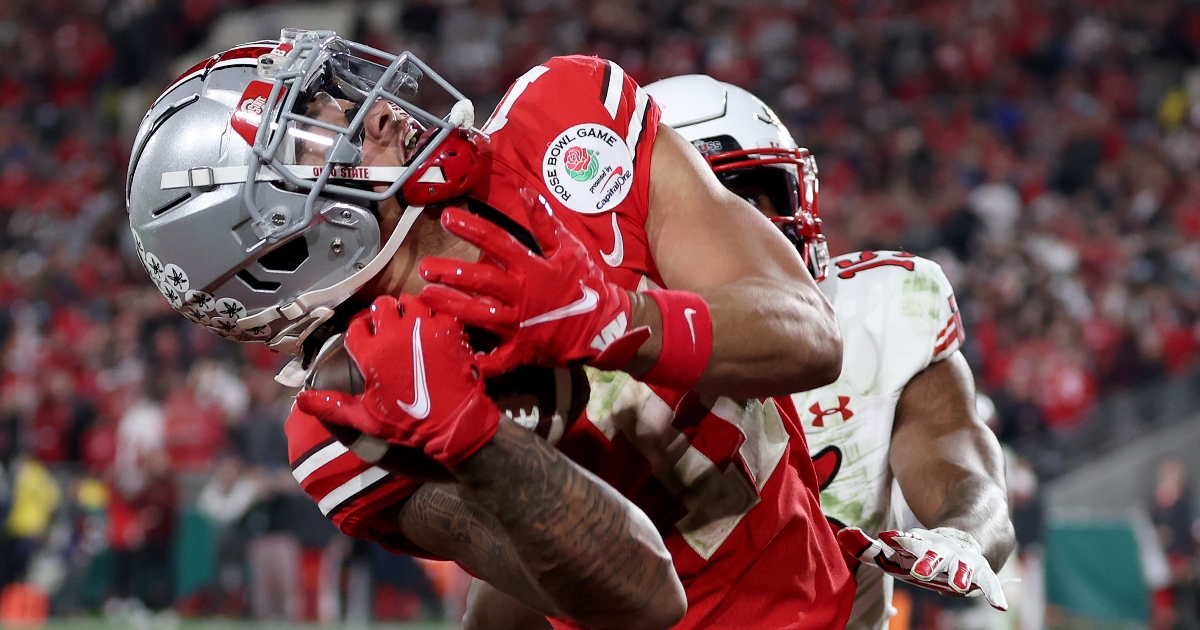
x: 687, y: 339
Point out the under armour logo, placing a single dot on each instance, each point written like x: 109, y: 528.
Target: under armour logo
x: 871, y: 260
x: 842, y: 408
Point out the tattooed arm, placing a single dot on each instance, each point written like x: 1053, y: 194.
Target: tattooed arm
x: 541, y: 529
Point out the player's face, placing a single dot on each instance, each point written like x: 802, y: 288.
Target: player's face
x: 390, y: 134
x: 390, y: 138
x: 756, y: 196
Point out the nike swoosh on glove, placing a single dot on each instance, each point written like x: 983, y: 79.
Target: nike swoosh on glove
x: 551, y: 310
x: 423, y: 388
x: 943, y: 559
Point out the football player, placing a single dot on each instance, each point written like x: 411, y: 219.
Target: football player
x: 279, y: 189
x: 903, y: 408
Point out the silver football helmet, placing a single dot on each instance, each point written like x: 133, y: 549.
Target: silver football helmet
x: 252, y: 210
x: 745, y: 143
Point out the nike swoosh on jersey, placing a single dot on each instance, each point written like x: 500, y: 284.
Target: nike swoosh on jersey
x: 687, y: 314
x: 617, y: 256
x: 419, y: 407
x: 585, y: 304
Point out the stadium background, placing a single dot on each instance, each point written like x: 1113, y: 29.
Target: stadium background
x: 1045, y: 152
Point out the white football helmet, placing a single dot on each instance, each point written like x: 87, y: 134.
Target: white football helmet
x: 746, y: 144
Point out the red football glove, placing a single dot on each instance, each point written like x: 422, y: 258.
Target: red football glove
x: 549, y: 310
x: 423, y: 387
x: 943, y: 559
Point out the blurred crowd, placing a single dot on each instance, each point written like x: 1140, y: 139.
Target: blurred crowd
x: 1045, y: 152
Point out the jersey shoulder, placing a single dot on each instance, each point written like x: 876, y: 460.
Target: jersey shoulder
x: 585, y: 128
x: 572, y: 89
x: 872, y: 270
x: 895, y: 309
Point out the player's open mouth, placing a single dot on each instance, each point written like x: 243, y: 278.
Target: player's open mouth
x: 415, y: 138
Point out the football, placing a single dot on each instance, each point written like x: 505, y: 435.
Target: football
x: 546, y: 401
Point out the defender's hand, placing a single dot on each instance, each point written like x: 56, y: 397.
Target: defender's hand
x: 551, y: 309
x: 423, y: 387
x: 944, y: 559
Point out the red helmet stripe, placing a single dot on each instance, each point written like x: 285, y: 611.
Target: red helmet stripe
x: 730, y: 166
x: 244, y: 52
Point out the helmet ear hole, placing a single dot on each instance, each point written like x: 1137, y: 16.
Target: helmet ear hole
x: 262, y: 286
x: 287, y: 257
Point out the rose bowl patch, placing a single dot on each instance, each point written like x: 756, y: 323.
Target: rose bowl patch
x: 588, y: 168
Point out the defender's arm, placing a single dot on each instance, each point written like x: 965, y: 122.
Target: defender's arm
x: 948, y: 463
x: 774, y: 333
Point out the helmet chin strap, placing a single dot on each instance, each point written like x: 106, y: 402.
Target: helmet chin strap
x: 314, y: 307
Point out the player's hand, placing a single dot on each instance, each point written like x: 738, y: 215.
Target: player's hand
x: 423, y: 388
x: 550, y: 310
x: 943, y: 559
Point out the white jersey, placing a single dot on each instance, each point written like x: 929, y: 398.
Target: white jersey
x: 897, y: 315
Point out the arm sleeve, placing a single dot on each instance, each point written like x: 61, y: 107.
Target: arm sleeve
x: 350, y: 492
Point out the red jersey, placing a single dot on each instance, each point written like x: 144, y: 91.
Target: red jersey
x: 729, y: 485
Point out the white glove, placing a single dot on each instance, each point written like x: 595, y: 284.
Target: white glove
x: 943, y: 559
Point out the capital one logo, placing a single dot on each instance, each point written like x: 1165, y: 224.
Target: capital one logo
x: 843, y: 409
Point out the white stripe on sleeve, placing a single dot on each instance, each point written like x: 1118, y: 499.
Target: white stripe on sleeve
x: 317, y: 460
x: 635, y: 124
x: 344, y: 492
x: 612, y: 91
